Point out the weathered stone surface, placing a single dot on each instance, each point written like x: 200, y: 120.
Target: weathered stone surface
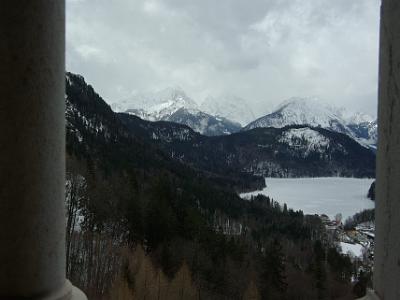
x: 32, y: 150
x: 387, y: 248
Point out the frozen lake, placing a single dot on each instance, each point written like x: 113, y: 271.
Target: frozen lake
x: 319, y: 195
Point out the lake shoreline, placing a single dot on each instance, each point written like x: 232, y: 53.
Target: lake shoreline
x: 319, y: 195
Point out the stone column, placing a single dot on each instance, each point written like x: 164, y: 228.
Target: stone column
x: 32, y: 151
x: 387, y: 247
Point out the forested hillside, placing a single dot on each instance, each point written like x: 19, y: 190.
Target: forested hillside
x: 142, y: 224
x: 292, y: 151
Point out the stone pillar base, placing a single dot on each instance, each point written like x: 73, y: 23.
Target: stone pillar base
x: 77, y: 294
x: 370, y: 296
x: 67, y: 292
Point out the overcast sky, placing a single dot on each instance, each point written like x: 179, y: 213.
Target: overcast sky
x: 262, y: 50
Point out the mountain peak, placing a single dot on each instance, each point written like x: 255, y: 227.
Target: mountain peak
x: 159, y: 103
x: 175, y: 94
x: 309, y: 105
x: 299, y: 111
x: 174, y: 105
x: 312, y: 111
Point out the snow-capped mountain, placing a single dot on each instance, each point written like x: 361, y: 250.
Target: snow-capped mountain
x: 230, y: 107
x: 173, y: 105
x: 298, y: 111
x: 313, y: 112
x: 156, y: 106
x: 204, y: 123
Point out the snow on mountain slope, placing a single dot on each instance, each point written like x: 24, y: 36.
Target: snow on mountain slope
x: 230, y: 107
x: 173, y: 105
x: 298, y: 111
x: 156, y: 106
x: 313, y: 112
x: 358, y: 118
x: 305, y: 140
x: 366, y: 133
x: 204, y: 123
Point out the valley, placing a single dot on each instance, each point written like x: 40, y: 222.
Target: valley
x: 173, y: 192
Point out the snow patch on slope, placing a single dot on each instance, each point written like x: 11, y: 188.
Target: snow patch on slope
x: 353, y: 250
x: 166, y: 100
x: 157, y: 106
x: 305, y: 139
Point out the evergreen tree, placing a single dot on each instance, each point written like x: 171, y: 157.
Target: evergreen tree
x: 319, y: 269
x: 274, y: 271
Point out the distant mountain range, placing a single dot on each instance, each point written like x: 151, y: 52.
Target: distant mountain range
x: 238, y: 159
x: 225, y: 115
x: 313, y: 112
x: 172, y: 104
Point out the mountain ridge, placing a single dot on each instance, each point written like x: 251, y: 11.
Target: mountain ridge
x: 311, y: 111
x: 173, y: 104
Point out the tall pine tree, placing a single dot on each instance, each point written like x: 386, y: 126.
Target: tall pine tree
x: 273, y: 276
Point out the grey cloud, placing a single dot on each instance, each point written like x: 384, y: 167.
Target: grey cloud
x: 261, y: 50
